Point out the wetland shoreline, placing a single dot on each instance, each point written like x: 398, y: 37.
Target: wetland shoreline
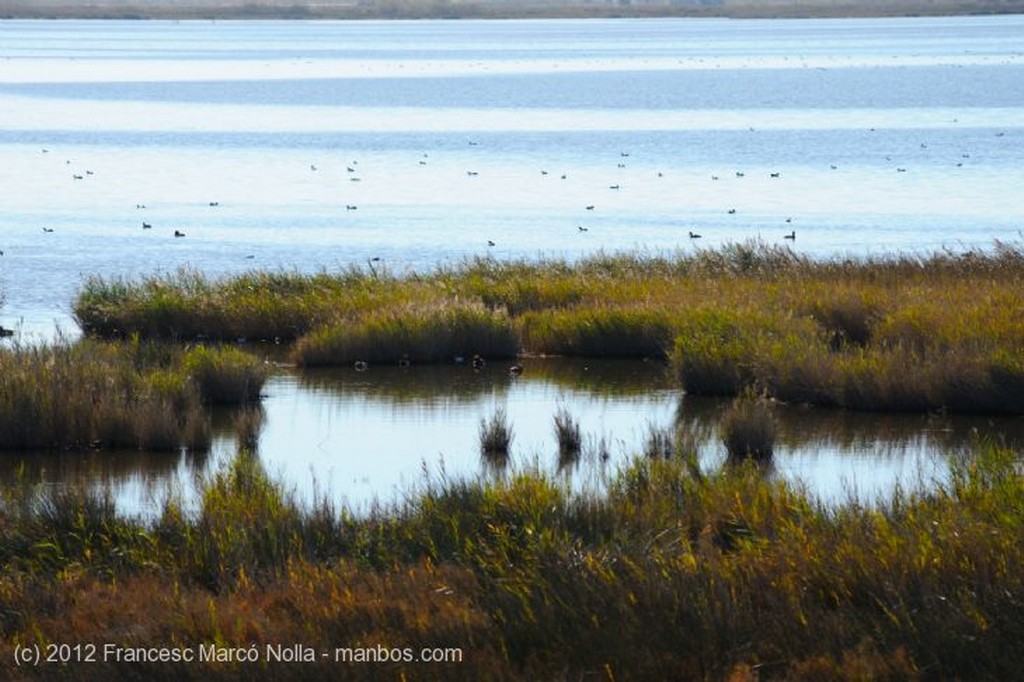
x: 673, y: 570
x: 942, y: 332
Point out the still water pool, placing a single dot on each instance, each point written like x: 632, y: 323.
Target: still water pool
x: 361, y: 438
x: 308, y: 146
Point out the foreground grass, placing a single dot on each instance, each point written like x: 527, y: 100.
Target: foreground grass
x: 673, y: 574
x: 940, y: 332
x: 131, y: 394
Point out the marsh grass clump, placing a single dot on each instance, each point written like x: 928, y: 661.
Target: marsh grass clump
x: 568, y: 437
x: 713, y: 351
x: 748, y: 428
x: 225, y: 375
x: 847, y: 320
x: 598, y: 332
x: 247, y: 525
x: 126, y: 394
x: 496, y: 439
x: 430, y: 334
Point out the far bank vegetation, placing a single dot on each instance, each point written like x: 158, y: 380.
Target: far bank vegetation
x: 942, y: 332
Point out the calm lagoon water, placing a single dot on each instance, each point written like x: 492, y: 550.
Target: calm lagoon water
x: 866, y: 136
x: 360, y: 438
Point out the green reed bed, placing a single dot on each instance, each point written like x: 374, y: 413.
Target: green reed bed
x: 944, y: 331
x: 72, y: 396
x: 668, y: 575
x: 416, y: 334
x: 187, y: 305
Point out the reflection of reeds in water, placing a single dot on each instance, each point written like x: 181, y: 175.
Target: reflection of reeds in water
x: 570, y: 442
x: 748, y: 429
x: 248, y: 424
x: 496, y: 439
x: 659, y: 443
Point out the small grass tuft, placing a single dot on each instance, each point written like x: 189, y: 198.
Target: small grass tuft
x: 496, y: 439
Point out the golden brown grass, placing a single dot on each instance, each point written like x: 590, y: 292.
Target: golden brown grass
x: 131, y: 394
x: 723, y: 575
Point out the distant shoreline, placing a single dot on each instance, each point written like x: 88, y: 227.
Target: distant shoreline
x: 498, y: 9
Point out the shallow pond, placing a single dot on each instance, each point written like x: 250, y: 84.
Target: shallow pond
x: 376, y: 436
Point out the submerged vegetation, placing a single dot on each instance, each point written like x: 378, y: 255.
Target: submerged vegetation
x: 725, y: 575
x: 901, y: 333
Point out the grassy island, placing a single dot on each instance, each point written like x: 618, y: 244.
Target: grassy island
x: 942, y: 332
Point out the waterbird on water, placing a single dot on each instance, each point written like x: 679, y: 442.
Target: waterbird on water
x: 146, y: 226
x: 694, y: 235
x: 791, y: 235
x: 178, y: 233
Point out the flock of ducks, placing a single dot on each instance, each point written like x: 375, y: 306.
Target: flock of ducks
x: 352, y: 170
